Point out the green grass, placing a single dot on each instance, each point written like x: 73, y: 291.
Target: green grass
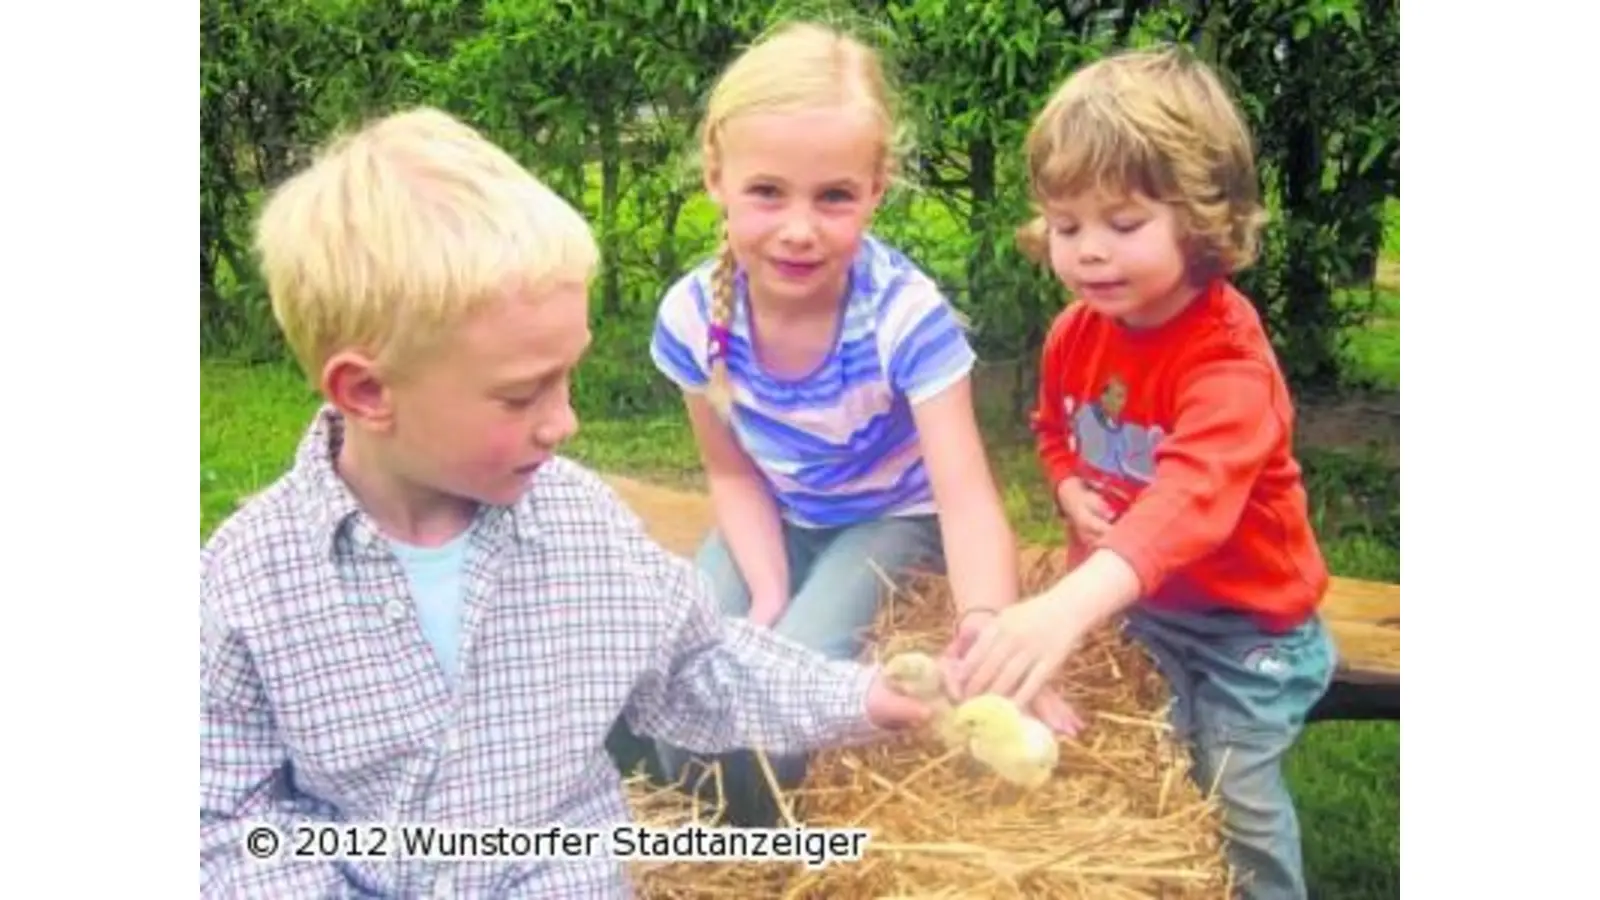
x: 1370, y: 356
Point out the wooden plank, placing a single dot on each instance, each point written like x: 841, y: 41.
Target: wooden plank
x: 1363, y: 616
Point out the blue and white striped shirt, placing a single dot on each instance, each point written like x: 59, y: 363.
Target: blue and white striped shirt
x: 837, y: 446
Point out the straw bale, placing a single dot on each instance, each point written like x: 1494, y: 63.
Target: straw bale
x: 1121, y: 818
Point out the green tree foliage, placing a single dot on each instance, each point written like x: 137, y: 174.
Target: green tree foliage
x: 602, y: 99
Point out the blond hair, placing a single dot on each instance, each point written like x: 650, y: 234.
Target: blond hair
x: 797, y: 66
x: 1159, y: 122
x: 397, y: 232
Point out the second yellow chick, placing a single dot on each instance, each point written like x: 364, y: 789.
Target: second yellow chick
x: 1014, y: 745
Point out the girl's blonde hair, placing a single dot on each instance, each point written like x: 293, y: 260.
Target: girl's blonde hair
x: 1159, y: 122
x: 797, y: 66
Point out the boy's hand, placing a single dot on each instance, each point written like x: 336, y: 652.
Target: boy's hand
x: 1086, y: 511
x: 894, y: 711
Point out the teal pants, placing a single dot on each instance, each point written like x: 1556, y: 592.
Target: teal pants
x: 834, y: 599
x: 1242, y: 696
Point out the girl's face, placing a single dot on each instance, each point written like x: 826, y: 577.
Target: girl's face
x: 798, y: 190
x: 1121, y: 254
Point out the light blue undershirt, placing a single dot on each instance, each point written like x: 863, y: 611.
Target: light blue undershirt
x: 437, y: 576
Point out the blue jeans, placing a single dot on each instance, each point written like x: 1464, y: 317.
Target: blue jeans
x: 834, y: 599
x: 1242, y: 696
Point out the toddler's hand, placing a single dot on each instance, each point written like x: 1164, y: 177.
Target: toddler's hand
x: 1053, y: 710
x: 1086, y: 511
x: 1047, y: 706
x: 895, y: 711
x: 969, y: 625
x: 1020, y: 649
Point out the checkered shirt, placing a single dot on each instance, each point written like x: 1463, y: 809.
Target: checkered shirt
x: 322, y: 702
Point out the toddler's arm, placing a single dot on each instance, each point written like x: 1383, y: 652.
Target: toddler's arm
x: 1229, y: 420
x: 243, y: 782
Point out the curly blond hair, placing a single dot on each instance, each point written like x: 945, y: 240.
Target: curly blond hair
x: 1161, y: 123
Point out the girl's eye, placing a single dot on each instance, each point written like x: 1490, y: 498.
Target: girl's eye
x: 765, y: 191
x: 1127, y: 227
x: 837, y: 195
x: 1066, y: 230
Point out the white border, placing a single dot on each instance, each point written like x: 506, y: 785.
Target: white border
x: 99, y: 169
x: 1498, y: 229
x: 99, y: 166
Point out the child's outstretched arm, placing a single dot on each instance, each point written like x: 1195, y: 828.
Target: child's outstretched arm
x: 719, y: 684
x: 1229, y: 418
x: 747, y: 517
x: 243, y: 782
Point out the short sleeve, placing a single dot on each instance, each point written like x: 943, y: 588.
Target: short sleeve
x: 922, y: 340
x: 677, y: 346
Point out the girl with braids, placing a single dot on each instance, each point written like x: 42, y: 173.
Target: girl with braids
x: 826, y: 378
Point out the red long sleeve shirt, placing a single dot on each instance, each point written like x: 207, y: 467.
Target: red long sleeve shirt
x: 1185, y: 430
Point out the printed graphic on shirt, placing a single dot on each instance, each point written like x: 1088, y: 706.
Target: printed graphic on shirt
x: 1266, y: 660
x: 1115, y: 456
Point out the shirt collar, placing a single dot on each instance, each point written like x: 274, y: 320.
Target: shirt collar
x: 333, y: 512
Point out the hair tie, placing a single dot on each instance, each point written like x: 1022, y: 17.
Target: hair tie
x: 719, y: 336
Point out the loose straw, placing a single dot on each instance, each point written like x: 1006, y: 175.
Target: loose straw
x: 1120, y: 818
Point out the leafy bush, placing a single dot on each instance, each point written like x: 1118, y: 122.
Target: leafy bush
x: 601, y: 100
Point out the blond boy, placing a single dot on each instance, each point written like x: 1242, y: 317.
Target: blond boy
x: 431, y: 618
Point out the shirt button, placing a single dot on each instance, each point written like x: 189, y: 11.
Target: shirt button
x: 444, y: 885
x: 395, y: 610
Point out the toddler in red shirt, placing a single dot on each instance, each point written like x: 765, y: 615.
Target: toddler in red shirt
x: 1165, y: 427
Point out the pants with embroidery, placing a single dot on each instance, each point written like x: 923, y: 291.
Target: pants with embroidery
x: 834, y: 598
x: 1241, y: 700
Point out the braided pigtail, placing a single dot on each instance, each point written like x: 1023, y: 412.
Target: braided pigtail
x: 719, y: 391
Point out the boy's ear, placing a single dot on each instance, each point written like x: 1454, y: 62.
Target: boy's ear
x: 352, y: 383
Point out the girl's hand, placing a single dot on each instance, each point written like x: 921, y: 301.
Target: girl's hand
x: 1020, y: 649
x: 765, y: 613
x: 765, y: 610
x: 1086, y: 512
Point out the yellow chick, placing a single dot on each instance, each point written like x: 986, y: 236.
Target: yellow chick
x: 1014, y: 745
x: 917, y: 675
